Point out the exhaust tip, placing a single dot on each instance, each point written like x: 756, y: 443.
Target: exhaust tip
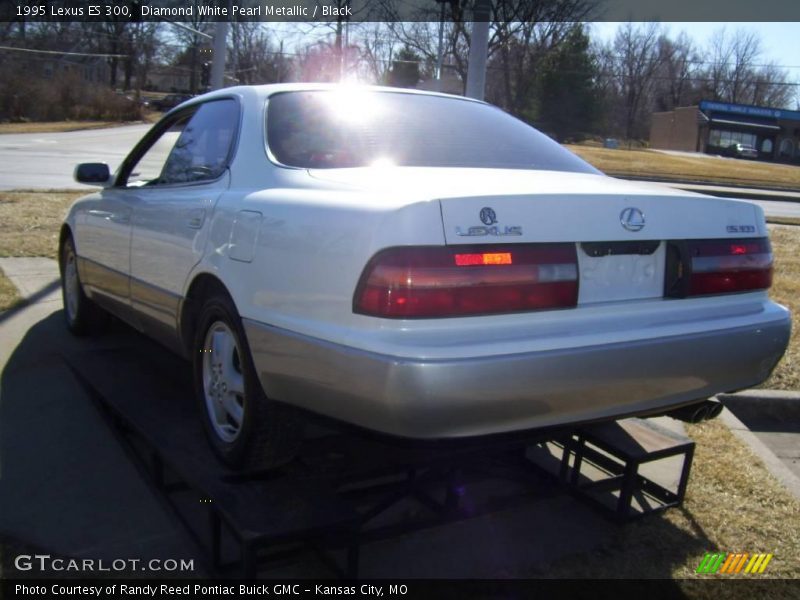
x: 715, y: 409
x: 696, y: 413
x: 700, y: 414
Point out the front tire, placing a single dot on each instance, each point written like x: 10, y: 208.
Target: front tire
x: 80, y: 313
x: 244, y: 427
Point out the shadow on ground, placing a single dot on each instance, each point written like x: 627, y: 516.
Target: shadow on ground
x: 67, y: 485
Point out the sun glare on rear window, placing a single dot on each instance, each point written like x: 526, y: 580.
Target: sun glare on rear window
x: 354, y: 126
x: 351, y: 103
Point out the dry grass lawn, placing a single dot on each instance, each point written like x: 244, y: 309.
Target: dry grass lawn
x: 786, y: 290
x: 29, y: 224
x: 55, y: 126
x: 649, y: 163
x: 733, y: 504
x: 58, y: 126
x: 8, y: 293
x: 30, y: 221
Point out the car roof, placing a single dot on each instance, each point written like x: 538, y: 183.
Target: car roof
x: 265, y: 91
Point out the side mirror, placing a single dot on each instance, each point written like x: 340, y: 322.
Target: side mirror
x: 93, y: 173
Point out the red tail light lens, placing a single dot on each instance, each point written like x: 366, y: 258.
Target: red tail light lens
x: 724, y: 266
x: 436, y: 281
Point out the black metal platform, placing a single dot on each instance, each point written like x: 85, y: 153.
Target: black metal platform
x: 619, y: 449
x: 337, y: 493
x: 342, y: 489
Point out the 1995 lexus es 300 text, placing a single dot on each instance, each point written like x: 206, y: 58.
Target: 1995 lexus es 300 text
x: 417, y: 264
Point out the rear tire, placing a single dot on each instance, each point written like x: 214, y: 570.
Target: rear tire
x: 82, y: 316
x: 246, y: 429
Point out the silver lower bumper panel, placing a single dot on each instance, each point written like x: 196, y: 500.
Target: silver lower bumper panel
x: 455, y: 398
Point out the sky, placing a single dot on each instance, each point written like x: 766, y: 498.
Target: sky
x: 780, y: 41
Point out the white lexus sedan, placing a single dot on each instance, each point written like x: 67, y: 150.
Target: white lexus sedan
x: 416, y: 264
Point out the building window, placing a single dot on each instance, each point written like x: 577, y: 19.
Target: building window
x: 766, y: 146
x: 787, y: 148
x: 723, y: 139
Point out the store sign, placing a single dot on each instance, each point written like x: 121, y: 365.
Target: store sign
x: 751, y: 111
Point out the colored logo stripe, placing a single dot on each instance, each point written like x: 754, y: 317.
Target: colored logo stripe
x: 732, y: 563
x: 710, y: 563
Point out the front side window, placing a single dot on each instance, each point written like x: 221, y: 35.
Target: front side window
x: 195, y: 148
x: 357, y: 128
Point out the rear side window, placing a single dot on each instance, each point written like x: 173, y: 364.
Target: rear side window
x: 201, y: 151
x: 195, y: 148
x: 356, y: 128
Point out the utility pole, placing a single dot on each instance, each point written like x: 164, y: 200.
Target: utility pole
x: 220, y: 50
x: 440, y: 53
x: 478, y: 49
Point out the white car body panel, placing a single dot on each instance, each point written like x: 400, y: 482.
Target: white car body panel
x: 290, y: 246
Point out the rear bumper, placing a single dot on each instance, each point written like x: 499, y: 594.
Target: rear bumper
x: 485, y: 395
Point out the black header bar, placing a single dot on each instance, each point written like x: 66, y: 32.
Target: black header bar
x: 394, y: 10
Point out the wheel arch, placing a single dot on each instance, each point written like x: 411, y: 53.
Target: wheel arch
x: 63, y: 234
x: 202, y: 286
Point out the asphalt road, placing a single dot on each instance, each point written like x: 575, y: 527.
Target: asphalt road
x: 775, y: 208
x: 47, y: 160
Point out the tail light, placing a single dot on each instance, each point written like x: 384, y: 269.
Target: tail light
x: 724, y: 266
x: 446, y: 281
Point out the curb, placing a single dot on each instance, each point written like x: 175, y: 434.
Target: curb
x: 725, y: 190
x: 765, y: 396
x: 777, y: 403
x: 772, y: 398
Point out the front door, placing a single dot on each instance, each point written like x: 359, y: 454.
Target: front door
x: 104, y: 230
x: 172, y: 210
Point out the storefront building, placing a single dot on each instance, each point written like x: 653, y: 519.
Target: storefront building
x: 715, y: 127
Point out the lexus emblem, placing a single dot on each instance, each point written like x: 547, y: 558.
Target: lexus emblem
x: 488, y: 216
x: 632, y: 219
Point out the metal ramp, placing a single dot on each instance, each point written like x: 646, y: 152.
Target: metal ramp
x: 346, y: 488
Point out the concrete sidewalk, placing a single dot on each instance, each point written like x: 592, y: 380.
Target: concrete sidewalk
x: 66, y: 485
x: 769, y: 422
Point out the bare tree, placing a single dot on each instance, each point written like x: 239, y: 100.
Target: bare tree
x: 196, y: 46
x: 378, y: 48
x: 745, y: 50
x: 637, y: 61
x: 734, y: 75
x: 255, y: 55
x: 678, y: 70
x: 771, y: 87
x: 520, y: 35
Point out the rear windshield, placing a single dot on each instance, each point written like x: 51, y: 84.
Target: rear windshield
x: 357, y: 128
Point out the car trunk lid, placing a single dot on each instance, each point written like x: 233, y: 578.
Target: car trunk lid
x: 621, y: 229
